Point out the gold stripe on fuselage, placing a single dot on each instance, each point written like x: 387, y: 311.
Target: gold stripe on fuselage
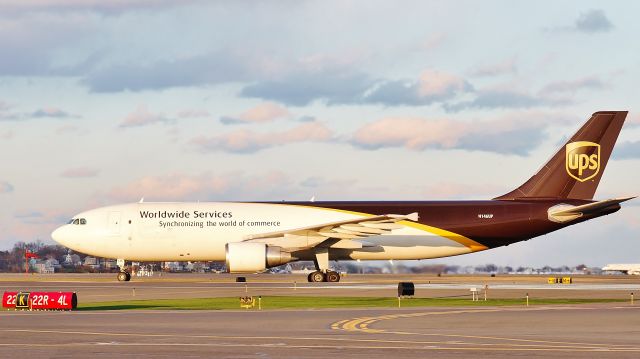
x: 458, y: 238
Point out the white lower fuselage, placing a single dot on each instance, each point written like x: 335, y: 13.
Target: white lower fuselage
x: 200, y: 231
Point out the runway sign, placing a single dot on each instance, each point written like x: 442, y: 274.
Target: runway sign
x: 40, y: 300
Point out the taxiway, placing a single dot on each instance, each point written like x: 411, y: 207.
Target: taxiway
x: 567, y: 331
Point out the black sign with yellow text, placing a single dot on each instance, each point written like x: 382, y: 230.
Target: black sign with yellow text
x: 22, y: 300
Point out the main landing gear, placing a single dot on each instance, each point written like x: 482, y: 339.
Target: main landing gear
x: 124, y: 275
x: 328, y: 276
x: 322, y: 273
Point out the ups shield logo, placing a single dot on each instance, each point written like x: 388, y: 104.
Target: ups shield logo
x: 583, y: 160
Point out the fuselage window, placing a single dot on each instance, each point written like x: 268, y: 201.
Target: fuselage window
x: 83, y: 221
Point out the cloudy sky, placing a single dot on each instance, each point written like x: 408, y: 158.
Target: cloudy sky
x: 107, y: 102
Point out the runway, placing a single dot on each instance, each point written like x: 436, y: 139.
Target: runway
x: 104, y: 287
x: 567, y: 331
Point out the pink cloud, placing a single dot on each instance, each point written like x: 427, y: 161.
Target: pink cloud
x: 233, y: 186
x: 33, y: 224
x: 246, y: 141
x: 80, y: 172
x: 633, y: 119
x: 434, y: 83
x: 411, y: 132
x: 143, y: 117
x: 516, y: 133
x: 204, y: 186
x: 265, y: 112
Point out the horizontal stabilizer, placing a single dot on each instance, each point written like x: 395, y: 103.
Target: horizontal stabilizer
x: 564, y: 213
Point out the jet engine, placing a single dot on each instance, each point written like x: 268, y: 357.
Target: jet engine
x: 242, y: 257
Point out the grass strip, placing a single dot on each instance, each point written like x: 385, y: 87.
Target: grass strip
x: 299, y: 302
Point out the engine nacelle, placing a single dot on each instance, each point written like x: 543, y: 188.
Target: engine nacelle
x: 242, y: 257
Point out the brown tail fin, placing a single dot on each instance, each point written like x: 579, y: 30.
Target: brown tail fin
x: 575, y: 170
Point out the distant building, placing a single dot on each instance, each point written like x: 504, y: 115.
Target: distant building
x: 43, y: 268
x: 91, y: 262
x: 53, y: 263
x: 173, y: 266
x: 217, y: 267
x: 108, y: 263
x: 197, y: 267
x: 72, y: 260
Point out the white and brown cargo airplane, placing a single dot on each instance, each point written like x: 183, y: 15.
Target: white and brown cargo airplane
x: 253, y: 236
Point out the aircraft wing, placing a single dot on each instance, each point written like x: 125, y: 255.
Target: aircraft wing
x: 342, y: 234
x: 565, y: 213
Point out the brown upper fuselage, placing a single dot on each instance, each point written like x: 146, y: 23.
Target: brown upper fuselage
x: 492, y: 223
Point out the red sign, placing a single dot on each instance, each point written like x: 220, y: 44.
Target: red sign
x: 9, y: 299
x: 40, y: 300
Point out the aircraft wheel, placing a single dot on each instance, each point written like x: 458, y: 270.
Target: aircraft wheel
x: 317, y: 276
x: 333, y: 276
x: 309, y: 278
x: 124, y: 277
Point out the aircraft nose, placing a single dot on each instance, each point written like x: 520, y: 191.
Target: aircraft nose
x: 58, y: 235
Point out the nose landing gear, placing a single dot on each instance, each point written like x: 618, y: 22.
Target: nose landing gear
x: 124, y: 275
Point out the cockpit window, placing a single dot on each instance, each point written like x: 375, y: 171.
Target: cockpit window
x: 78, y: 221
x: 71, y: 221
x: 83, y: 221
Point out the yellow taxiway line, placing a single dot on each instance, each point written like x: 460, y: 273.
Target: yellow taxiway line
x: 361, y: 324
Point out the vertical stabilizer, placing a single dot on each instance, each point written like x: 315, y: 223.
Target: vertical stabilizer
x: 575, y: 170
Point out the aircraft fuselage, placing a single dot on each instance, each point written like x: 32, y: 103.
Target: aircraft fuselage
x: 200, y: 231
